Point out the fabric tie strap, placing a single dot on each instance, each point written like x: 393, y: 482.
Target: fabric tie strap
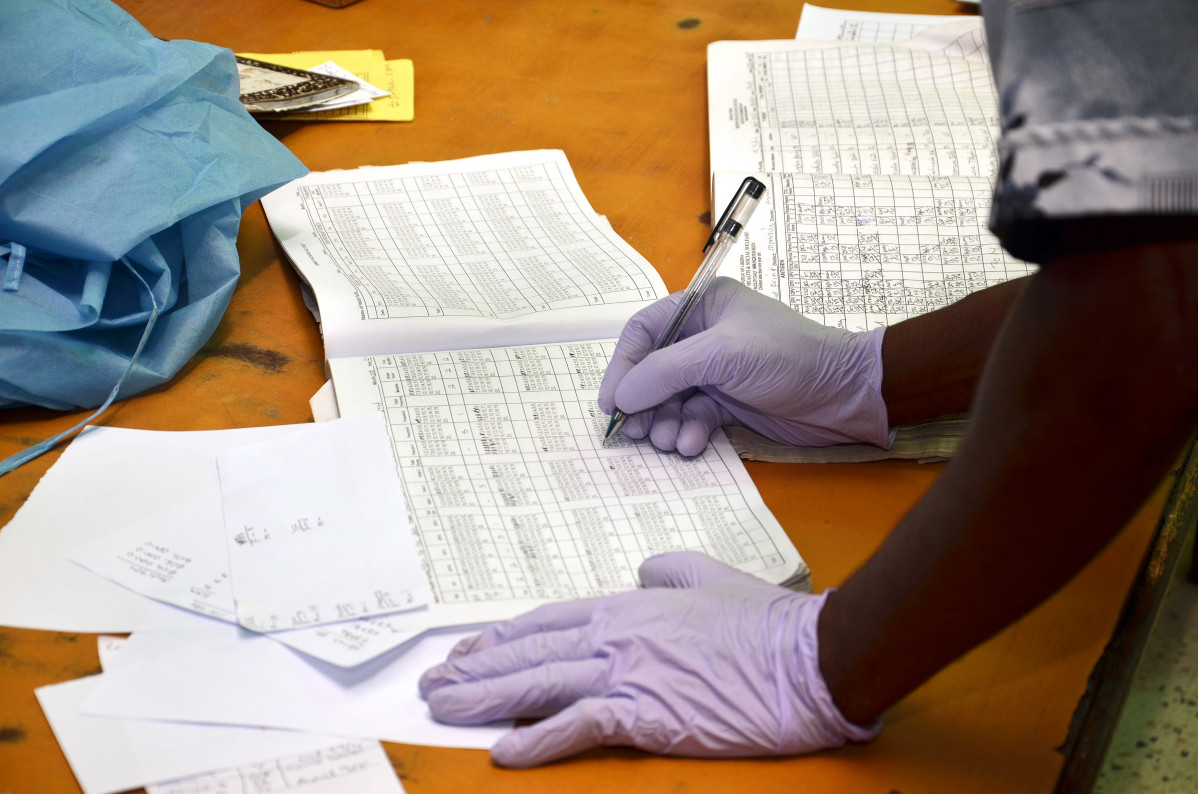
x: 16, y: 266
x: 24, y: 456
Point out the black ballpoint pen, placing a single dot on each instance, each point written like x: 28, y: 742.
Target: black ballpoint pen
x: 723, y: 236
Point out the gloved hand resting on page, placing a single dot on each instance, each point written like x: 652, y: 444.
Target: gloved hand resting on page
x: 745, y: 359
x: 705, y: 661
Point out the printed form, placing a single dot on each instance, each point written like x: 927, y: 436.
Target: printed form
x: 878, y: 161
x: 860, y: 251
x: 516, y: 501
x: 461, y: 301
x: 498, y: 249
x: 831, y: 107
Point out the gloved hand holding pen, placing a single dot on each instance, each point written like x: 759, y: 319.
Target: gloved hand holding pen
x: 704, y: 661
x: 745, y: 359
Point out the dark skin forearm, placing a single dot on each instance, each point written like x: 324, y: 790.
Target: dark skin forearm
x: 931, y: 363
x: 1086, y: 399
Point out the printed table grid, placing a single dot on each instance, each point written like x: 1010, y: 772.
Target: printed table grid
x: 503, y: 242
x: 513, y: 494
x: 858, y: 251
x: 882, y: 111
x: 871, y: 31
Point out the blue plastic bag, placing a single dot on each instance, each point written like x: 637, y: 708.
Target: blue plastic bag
x: 125, y: 165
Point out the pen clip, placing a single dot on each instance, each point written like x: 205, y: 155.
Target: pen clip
x: 751, y: 187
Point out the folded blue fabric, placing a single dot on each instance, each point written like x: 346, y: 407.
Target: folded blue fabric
x: 125, y: 165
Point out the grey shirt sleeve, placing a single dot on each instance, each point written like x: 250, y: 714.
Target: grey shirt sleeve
x: 1098, y: 101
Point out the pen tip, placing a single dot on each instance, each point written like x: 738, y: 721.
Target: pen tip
x: 613, y: 427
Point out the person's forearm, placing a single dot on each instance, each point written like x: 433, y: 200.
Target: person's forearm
x: 1087, y: 398
x: 931, y: 363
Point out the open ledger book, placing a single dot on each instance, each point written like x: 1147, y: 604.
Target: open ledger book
x: 474, y: 304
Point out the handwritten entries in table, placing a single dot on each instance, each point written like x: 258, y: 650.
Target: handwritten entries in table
x: 516, y: 501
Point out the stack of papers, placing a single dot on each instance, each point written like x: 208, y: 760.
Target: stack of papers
x: 159, y: 525
x: 293, y: 585
x: 317, y: 552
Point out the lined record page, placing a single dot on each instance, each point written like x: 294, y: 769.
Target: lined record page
x: 822, y: 107
x: 433, y: 256
x: 514, y: 498
x: 859, y: 251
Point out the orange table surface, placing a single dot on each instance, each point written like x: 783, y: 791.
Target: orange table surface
x: 621, y: 88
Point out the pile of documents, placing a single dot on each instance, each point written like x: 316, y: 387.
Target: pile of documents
x: 473, y: 304
x: 286, y: 586
x: 189, y: 538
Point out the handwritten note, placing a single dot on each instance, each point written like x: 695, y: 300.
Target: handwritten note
x: 351, y: 765
x: 177, y: 555
x: 317, y: 529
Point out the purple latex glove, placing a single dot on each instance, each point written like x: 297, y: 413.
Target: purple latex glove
x: 706, y: 662
x: 745, y: 359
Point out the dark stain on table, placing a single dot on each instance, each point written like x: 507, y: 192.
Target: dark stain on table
x: 687, y: 24
x: 270, y: 360
x: 12, y: 734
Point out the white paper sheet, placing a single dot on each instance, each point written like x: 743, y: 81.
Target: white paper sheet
x: 324, y: 403
x: 111, y: 754
x: 364, y: 94
x: 822, y: 107
x: 839, y: 24
x: 109, y: 649
x: 106, y: 753
x: 236, y: 678
x: 316, y: 528
x: 962, y: 38
x: 177, y: 554
x: 107, y: 478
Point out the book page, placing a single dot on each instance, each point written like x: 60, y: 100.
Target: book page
x: 516, y: 501
x: 860, y: 251
x: 823, y: 107
x: 437, y: 256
